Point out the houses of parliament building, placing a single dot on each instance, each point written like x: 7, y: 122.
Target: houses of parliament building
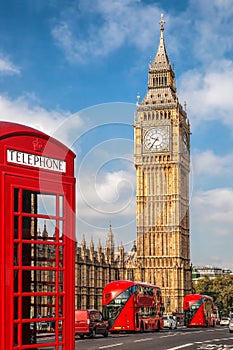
x: 161, y: 253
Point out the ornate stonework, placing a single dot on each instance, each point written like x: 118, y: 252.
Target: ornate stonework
x: 95, y: 268
x: 162, y: 161
x: 161, y: 254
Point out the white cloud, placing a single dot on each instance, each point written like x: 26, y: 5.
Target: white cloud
x: 122, y: 22
x: 209, y: 164
x: 107, y: 199
x: 211, y: 229
x: 110, y: 194
x: 208, y: 93
x: 7, y: 67
x: 210, y: 28
x: 208, y: 82
x: 104, y: 195
x: 25, y: 110
x: 111, y: 185
x: 216, y: 206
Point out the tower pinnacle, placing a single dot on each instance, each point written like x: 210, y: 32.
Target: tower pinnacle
x: 161, y: 60
x: 161, y: 79
x: 162, y: 22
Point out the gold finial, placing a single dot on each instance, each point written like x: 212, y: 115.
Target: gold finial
x: 185, y: 105
x: 162, y: 22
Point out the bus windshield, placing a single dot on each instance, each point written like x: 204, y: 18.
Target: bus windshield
x: 199, y: 310
x: 113, y: 309
x: 191, y: 311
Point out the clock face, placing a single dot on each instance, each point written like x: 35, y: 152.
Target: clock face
x: 157, y: 139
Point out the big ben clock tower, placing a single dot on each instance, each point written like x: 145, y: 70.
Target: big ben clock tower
x: 162, y: 161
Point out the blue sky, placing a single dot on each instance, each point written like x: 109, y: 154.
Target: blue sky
x: 73, y: 69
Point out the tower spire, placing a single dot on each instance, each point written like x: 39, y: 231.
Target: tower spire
x: 161, y: 78
x: 161, y: 60
x: 161, y: 138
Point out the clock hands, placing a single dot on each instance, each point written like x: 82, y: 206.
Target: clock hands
x: 155, y: 139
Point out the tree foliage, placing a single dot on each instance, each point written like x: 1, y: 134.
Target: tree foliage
x: 220, y: 288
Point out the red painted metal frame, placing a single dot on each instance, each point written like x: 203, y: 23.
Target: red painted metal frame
x: 22, y: 177
x: 126, y: 320
x: 202, y: 317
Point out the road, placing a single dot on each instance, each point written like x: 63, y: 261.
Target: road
x: 217, y: 338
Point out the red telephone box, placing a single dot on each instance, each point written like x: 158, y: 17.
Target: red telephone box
x: 37, y: 240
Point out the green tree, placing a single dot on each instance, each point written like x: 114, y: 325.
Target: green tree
x: 203, y: 286
x: 220, y: 288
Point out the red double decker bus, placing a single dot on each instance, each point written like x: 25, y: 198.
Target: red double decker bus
x: 132, y: 306
x: 199, y: 311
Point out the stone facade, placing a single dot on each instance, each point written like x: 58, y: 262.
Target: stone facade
x: 161, y: 253
x: 95, y: 268
x: 162, y: 160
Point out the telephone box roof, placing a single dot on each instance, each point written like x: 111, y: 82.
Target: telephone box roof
x: 9, y: 129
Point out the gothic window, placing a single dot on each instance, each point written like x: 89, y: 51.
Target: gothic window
x: 167, y: 282
x: 130, y: 274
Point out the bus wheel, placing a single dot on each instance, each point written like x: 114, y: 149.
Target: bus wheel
x: 105, y: 333
x: 92, y: 335
x: 158, y: 328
